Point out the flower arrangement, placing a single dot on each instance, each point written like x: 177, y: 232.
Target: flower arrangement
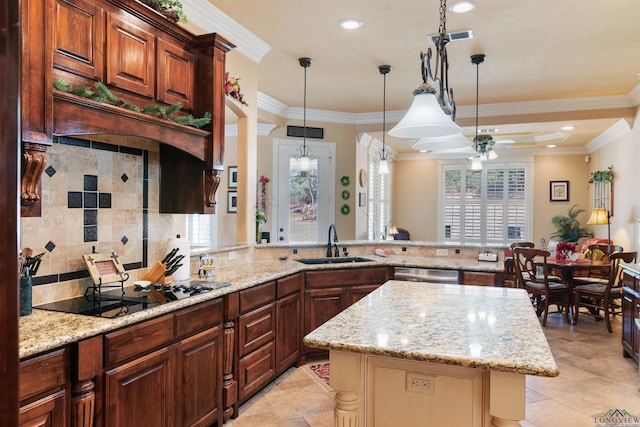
x: 564, y: 251
x: 232, y: 88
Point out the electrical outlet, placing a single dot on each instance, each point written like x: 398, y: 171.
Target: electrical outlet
x: 457, y: 251
x: 404, y: 249
x: 231, y: 255
x: 295, y: 251
x: 419, y: 383
x: 442, y: 252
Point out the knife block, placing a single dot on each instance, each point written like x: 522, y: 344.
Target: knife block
x: 156, y: 273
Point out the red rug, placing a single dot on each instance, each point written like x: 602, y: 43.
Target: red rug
x: 321, y: 370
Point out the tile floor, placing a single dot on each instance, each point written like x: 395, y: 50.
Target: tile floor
x: 594, y: 377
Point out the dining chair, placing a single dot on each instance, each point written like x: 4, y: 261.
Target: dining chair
x: 522, y: 245
x: 598, y: 296
x: 597, y: 252
x: 533, y: 275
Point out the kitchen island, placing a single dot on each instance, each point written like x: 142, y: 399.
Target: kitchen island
x: 429, y: 354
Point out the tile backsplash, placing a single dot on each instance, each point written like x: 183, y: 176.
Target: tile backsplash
x: 98, y: 194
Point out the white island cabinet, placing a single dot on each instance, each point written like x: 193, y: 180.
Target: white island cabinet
x: 422, y: 354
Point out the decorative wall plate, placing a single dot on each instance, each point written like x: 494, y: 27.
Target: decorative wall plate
x: 345, y: 180
x: 346, y: 194
x: 345, y: 209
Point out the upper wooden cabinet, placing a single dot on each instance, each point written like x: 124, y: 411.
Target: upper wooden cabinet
x: 143, y: 59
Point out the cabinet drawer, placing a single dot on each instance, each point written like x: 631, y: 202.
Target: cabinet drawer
x: 289, y: 285
x: 42, y: 373
x: 478, y: 278
x: 256, y: 328
x: 342, y: 277
x: 256, y: 370
x: 196, y: 318
x: 257, y: 296
x: 137, y: 339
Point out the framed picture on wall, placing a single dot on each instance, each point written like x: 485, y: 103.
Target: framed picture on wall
x: 559, y: 191
x: 233, y: 177
x: 232, y: 201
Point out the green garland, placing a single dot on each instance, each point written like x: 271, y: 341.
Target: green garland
x: 103, y: 94
x: 602, y: 176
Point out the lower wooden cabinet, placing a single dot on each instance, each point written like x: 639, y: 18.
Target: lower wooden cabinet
x: 141, y: 392
x: 481, y: 278
x: 199, y: 376
x: 44, y: 390
x: 630, y: 311
x: 288, y: 330
x: 256, y: 370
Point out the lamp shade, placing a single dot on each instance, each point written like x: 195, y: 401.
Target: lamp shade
x: 598, y: 216
x: 476, y: 163
x: 425, y: 119
x: 456, y: 140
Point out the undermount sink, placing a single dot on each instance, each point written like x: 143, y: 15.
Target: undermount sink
x: 343, y: 260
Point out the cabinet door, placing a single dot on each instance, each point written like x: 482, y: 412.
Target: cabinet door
x: 356, y: 293
x: 175, y: 73
x: 131, y: 53
x: 256, y: 328
x: 46, y: 412
x: 255, y: 370
x: 478, y: 278
x: 628, y: 334
x: 288, y: 327
x: 141, y: 392
x: 79, y: 38
x: 321, y: 305
x: 199, y: 386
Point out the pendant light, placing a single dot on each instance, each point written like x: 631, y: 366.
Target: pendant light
x: 483, y: 144
x: 304, y: 150
x: 432, y: 113
x: 384, y: 157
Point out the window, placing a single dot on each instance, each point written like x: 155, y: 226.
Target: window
x: 488, y: 206
x: 201, y: 230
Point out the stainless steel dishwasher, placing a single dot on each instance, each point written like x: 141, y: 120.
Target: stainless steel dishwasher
x: 429, y: 275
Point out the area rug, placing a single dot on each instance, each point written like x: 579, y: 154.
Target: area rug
x: 322, y: 371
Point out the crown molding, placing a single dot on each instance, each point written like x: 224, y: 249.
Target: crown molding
x: 614, y: 133
x: 212, y: 20
x: 632, y: 99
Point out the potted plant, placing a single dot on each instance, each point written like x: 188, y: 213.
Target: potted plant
x: 568, y: 226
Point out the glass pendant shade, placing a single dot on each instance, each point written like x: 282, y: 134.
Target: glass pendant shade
x: 383, y: 167
x: 476, y: 164
x: 425, y: 119
x: 492, y: 155
x: 454, y: 141
x: 304, y: 163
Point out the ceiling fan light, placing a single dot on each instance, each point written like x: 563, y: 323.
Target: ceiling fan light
x: 457, y: 140
x: 492, y: 155
x: 425, y: 119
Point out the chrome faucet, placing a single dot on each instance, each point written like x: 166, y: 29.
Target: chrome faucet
x: 335, y: 242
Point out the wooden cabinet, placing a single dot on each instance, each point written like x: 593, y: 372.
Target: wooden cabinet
x: 141, y: 392
x: 167, y: 370
x: 44, y: 390
x: 143, y: 59
x: 288, y: 321
x: 480, y: 278
x: 630, y: 311
x: 328, y: 292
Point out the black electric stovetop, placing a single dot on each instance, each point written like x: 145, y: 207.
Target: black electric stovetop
x: 117, y: 301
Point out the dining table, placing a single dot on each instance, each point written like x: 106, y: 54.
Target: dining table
x: 569, y: 268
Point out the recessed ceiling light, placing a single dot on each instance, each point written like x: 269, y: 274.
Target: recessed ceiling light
x: 423, y: 151
x: 551, y: 146
x: 567, y: 127
x: 462, y: 6
x: 351, y: 24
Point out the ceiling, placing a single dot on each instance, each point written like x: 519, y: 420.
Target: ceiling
x: 548, y: 63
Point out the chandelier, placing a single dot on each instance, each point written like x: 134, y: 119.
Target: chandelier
x: 304, y: 151
x: 383, y: 157
x: 483, y: 144
x: 433, y: 110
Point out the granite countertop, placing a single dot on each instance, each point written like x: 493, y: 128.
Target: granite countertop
x: 469, y: 326
x: 633, y: 269
x: 46, y: 330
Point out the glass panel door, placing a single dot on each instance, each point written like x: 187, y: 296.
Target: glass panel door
x: 304, y: 203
